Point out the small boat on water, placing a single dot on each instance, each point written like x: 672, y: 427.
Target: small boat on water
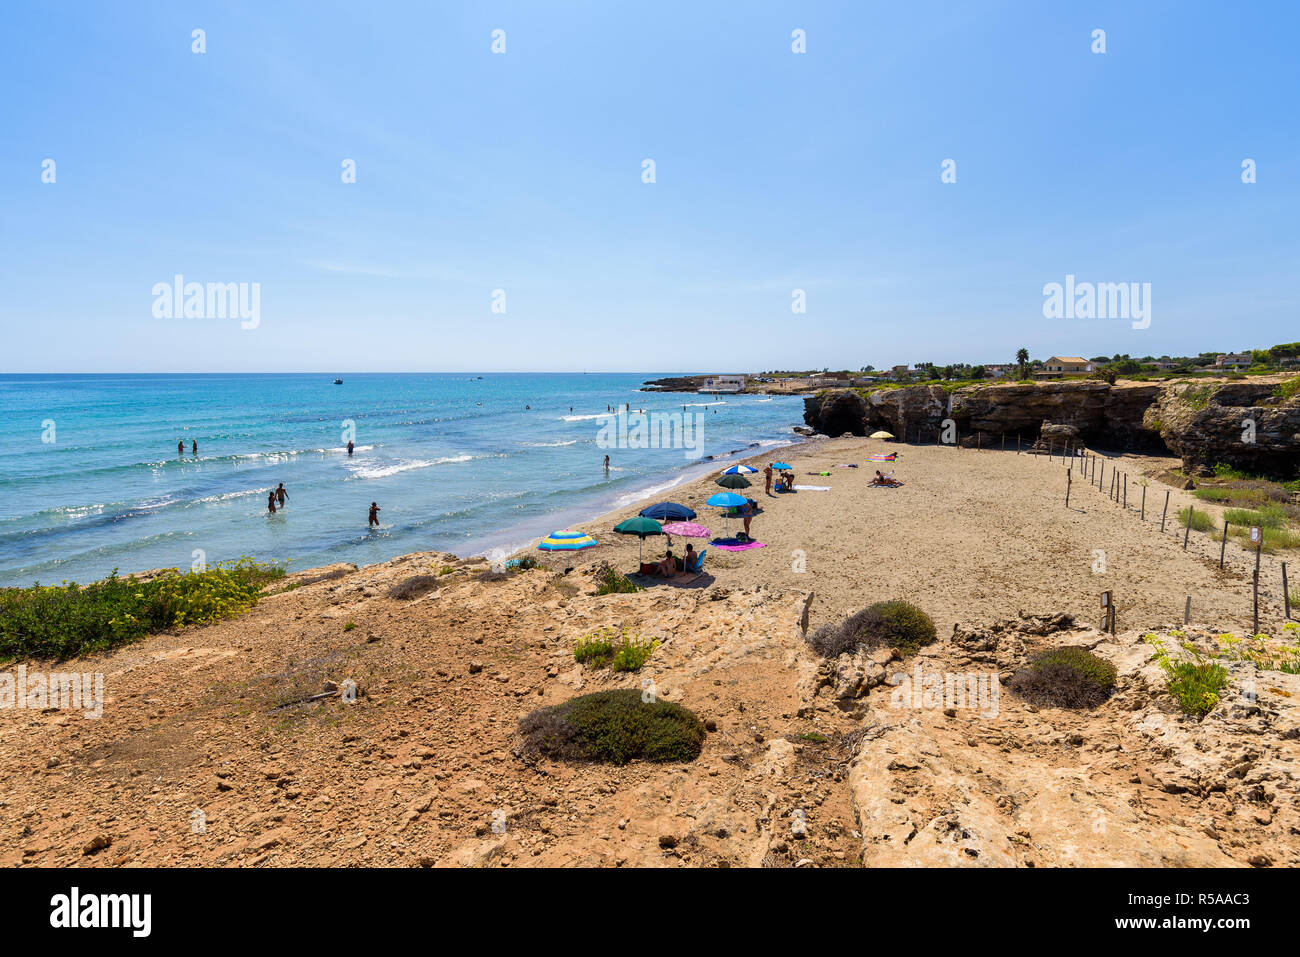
x: 338, y: 381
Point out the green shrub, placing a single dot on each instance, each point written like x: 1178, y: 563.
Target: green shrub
x: 1196, y: 687
x: 886, y: 624
x: 1268, y: 516
x: 1289, y: 389
x: 613, y: 727
x: 609, y: 581
x: 1201, y: 521
x: 1069, y: 677
x: 621, y: 651
x: 62, y: 621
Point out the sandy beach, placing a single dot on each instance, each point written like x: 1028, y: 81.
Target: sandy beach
x: 971, y: 534
x: 230, y: 745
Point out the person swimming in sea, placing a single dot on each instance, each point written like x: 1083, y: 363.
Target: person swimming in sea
x: 374, y: 513
x: 281, y: 494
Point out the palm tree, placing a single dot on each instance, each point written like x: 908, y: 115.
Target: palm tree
x: 1022, y: 357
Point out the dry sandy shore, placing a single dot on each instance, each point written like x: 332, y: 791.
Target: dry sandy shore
x: 212, y: 750
x: 971, y: 535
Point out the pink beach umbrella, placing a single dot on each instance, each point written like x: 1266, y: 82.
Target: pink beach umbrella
x: 685, y: 530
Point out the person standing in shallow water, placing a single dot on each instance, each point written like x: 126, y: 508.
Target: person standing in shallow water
x: 607, y: 463
x: 270, y: 503
x: 194, y: 447
x: 180, y: 447
x: 281, y: 494
x: 350, y: 447
x: 374, y: 513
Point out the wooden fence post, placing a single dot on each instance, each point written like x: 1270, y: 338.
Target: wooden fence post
x: 1144, y: 503
x: 1165, y: 512
x: 1286, y: 595
x: 1068, y: 482
x: 1188, y: 531
x: 1224, y: 543
x: 1126, y: 490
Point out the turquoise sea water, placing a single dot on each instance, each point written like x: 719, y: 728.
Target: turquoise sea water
x: 90, y: 478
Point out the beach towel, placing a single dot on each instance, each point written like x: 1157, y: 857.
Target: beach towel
x: 882, y: 457
x: 851, y: 465
x: 885, y: 485
x: 817, y: 473
x: 734, y: 545
x: 782, y: 490
x: 812, y: 488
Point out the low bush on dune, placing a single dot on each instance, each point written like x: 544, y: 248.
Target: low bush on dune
x: 413, y: 587
x: 1069, y: 677
x: 886, y: 624
x: 62, y: 621
x: 613, y: 727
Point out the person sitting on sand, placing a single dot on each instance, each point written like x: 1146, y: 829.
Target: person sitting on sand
x: 374, y: 513
x: 668, y: 567
x: 691, y: 558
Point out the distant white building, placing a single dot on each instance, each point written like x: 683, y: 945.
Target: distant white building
x: 1233, y: 360
x: 723, y: 383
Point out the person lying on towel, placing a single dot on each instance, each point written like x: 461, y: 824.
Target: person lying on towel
x: 887, y: 481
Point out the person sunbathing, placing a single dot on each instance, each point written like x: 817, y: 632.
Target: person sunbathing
x: 668, y: 567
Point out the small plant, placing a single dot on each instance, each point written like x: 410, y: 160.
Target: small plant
x: 621, y: 651
x: 446, y: 570
x: 613, y: 727
x: 1201, y: 521
x: 609, y: 581
x: 814, y: 737
x: 1195, y: 685
x: 349, y: 626
x: 886, y: 624
x: 1069, y: 677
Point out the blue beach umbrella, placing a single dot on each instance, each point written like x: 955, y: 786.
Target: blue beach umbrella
x: 782, y: 465
x: 740, y: 470
x: 668, y: 512
x: 566, y: 541
x: 726, y: 500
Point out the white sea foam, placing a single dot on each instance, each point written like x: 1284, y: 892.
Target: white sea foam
x: 585, y: 418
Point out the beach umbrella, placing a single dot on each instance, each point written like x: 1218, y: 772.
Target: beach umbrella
x: 726, y: 500
x: 732, y: 481
x: 882, y: 434
x: 640, y: 527
x: 566, y: 541
x: 740, y: 470
x: 782, y: 466
x: 686, y: 530
x: 668, y: 512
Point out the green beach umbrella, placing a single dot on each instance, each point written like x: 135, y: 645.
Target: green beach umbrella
x: 640, y: 527
x: 733, y: 481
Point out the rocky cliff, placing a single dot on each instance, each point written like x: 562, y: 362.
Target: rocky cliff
x: 1244, y: 424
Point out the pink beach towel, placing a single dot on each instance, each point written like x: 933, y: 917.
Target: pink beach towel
x: 736, y: 548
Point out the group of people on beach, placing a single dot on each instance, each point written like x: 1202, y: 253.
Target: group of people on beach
x: 180, y: 447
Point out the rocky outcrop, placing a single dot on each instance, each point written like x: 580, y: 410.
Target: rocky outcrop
x: 1243, y: 424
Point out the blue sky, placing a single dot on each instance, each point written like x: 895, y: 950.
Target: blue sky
x: 522, y: 171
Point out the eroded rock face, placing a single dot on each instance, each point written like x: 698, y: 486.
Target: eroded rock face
x: 1243, y: 424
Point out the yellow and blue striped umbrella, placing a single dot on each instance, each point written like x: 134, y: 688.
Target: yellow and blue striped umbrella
x: 566, y: 541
